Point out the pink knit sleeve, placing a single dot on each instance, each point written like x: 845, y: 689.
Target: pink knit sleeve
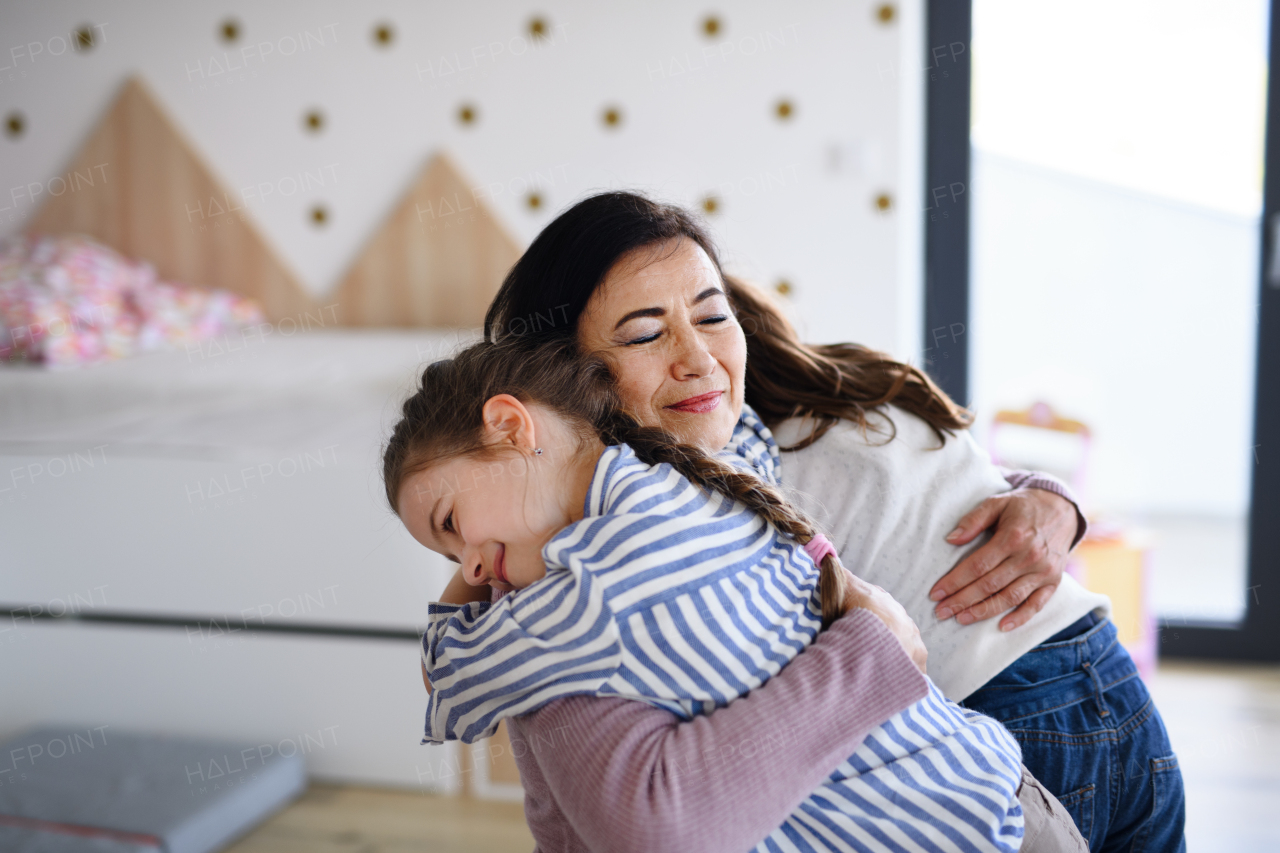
x: 617, y: 775
x: 1048, y: 483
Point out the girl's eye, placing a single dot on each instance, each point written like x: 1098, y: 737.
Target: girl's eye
x: 448, y: 522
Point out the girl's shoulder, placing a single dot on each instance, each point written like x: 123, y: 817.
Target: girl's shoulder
x: 623, y: 483
x: 754, y: 443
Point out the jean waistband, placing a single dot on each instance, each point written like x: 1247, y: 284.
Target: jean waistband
x: 1054, y: 673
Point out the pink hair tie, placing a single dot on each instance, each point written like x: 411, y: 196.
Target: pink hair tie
x: 819, y: 547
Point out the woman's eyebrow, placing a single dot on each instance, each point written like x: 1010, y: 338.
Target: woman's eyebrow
x: 661, y: 312
x: 643, y: 312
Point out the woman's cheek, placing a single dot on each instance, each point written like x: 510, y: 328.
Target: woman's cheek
x: 640, y: 380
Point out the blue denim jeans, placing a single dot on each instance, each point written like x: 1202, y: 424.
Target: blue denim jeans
x: 1091, y: 734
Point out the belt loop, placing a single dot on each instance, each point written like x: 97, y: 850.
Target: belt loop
x: 1103, y: 711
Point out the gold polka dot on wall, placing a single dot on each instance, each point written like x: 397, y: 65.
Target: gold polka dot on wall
x: 313, y: 121
x: 14, y: 125
x: 784, y: 110
x: 534, y: 201
x: 710, y: 205
x: 467, y: 114
x: 612, y: 118
x: 539, y: 29
x: 783, y: 287
x: 884, y: 202
x: 383, y: 35
x: 886, y: 13
x: 319, y: 215
x: 84, y: 38
x: 229, y: 30
x: 711, y: 26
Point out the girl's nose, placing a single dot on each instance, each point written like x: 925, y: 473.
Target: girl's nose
x: 475, y: 574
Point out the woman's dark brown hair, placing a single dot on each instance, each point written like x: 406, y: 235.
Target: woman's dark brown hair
x: 443, y: 419
x: 547, y: 290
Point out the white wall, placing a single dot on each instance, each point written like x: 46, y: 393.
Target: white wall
x: 797, y: 197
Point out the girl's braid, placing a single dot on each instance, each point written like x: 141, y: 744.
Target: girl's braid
x: 654, y: 446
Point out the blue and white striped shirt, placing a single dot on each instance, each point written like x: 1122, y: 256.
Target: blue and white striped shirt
x: 686, y: 600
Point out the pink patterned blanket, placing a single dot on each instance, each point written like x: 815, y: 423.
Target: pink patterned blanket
x: 67, y: 301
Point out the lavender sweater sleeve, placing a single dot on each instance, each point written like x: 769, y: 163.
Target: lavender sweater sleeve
x: 616, y: 775
x: 1037, y: 480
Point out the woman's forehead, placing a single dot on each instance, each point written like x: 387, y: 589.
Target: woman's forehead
x: 665, y: 270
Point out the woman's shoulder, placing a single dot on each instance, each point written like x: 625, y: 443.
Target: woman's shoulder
x: 895, y: 445
x: 889, y: 429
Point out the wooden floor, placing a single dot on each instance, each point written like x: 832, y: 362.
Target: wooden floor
x: 332, y: 819
x: 1224, y: 722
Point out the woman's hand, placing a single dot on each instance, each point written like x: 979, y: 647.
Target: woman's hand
x: 859, y: 593
x: 1020, y: 567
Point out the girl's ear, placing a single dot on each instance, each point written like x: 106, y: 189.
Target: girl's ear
x: 507, y: 421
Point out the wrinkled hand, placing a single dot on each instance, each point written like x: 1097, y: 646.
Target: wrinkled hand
x: 859, y: 593
x: 1020, y: 567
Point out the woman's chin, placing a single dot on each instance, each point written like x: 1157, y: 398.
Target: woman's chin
x: 708, y: 432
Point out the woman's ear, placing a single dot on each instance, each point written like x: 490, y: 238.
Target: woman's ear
x: 507, y: 421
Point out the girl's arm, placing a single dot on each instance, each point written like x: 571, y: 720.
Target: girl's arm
x: 1036, y: 525
x: 625, y: 776
x: 469, y: 649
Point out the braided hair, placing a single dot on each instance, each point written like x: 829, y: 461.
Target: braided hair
x: 655, y: 446
x: 443, y: 419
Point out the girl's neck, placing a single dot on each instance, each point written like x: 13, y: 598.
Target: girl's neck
x: 579, y: 471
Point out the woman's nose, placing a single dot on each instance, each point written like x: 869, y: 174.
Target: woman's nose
x: 693, y: 359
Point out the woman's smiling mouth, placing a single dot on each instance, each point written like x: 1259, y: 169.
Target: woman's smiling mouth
x: 698, y: 405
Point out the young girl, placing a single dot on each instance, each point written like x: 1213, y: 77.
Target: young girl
x: 647, y: 570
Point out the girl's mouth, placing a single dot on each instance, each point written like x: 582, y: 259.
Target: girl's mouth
x: 700, y: 404
x: 500, y: 564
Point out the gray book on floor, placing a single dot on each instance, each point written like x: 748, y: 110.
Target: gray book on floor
x: 73, y: 791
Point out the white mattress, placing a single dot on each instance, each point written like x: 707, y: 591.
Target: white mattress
x: 239, y: 479
x: 223, y: 400
x: 233, y: 487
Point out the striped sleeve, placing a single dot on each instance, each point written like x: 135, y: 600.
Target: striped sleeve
x: 489, y: 661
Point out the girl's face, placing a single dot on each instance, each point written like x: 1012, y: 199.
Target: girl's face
x: 662, y: 318
x: 494, y: 513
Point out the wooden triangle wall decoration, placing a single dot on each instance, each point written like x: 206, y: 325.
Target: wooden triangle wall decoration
x: 437, y: 260
x: 155, y: 199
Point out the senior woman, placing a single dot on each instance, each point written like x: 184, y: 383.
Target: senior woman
x: 881, y: 458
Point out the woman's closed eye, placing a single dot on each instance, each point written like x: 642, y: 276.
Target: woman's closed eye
x: 650, y: 338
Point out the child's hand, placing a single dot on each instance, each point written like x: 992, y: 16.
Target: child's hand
x: 859, y: 593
